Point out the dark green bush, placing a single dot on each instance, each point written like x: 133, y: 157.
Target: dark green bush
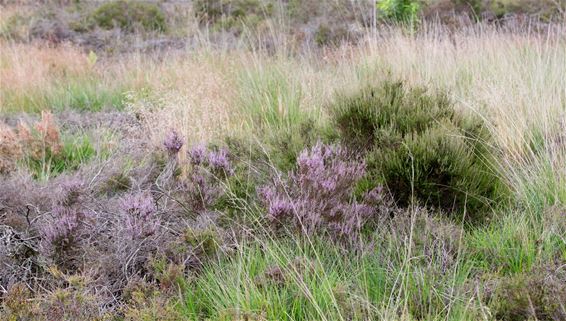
x: 377, y: 114
x: 130, y: 16
x: 420, y: 147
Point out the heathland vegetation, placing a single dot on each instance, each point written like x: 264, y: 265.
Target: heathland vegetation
x: 283, y: 160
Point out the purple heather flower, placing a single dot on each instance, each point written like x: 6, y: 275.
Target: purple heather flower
x: 197, y: 154
x: 140, y: 215
x: 219, y: 160
x: 279, y: 208
x: 70, y: 192
x: 318, y: 194
x: 375, y: 196
x: 173, y: 142
x: 62, y: 236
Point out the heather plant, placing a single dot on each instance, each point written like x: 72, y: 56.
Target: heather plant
x: 65, y: 233
x: 173, y: 143
x: 130, y: 16
x: 199, y: 190
x: 284, y: 145
x: 18, y: 256
x: 139, y: 219
x: 217, y: 161
x: 422, y: 148
x: 539, y: 294
x: 22, y: 205
x: 62, y: 237
x: 317, y: 195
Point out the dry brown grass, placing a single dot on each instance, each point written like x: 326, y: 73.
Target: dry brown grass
x: 513, y: 79
x: 27, y: 67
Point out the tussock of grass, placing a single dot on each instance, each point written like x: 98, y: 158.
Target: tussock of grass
x: 74, y: 152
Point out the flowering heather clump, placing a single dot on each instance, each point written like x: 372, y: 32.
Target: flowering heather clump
x: 173, y: 142
x: 70, y: 192
x: 197, y: 154
x: 317, y: 195
x: 219, y: 161
x: 201, y: 189
x: 215, y: 160
x: 63, y: 236
x: 140, y: 215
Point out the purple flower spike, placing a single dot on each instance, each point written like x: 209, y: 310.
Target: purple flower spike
x: 140, y: 215
x: 197, y: 154
x: 173, y: 142
x: 219, y: 160
x: 317, y: 195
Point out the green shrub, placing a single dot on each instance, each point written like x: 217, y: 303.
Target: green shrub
x: 130, y: 16
x: 375, y: 114
x: 419, y: 146
x: 399, y: 10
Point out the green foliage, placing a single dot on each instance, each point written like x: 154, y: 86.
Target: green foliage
x: 419, y: 146
x: 515, y: 242
x: 506, y: 247
x: 272, y: 97
x: 130, y: 15
x: 74, y: 152
x: 278, y: 284
x: 405, y: 11
x: 88, y: 94
x: 282, y: 279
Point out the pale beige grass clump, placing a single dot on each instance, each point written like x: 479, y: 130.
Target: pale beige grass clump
x: 191, y: 93
x: 28, y: 67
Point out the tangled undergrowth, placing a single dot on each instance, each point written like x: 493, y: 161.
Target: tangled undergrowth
x: 160, y: 240
x: 72, y: 231
x: 279, y: 184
